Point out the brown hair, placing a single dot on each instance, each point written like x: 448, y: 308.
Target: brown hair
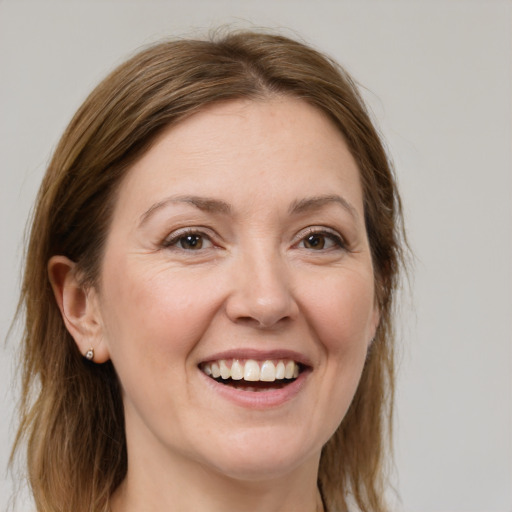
x: 71, y: 409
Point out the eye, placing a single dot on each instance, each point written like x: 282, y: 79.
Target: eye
x: 188, y: 241
x: 321, y: 240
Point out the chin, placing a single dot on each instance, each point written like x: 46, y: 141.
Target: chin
x: 267, y: 454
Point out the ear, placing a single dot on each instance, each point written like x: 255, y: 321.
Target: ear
x: 79, y: 308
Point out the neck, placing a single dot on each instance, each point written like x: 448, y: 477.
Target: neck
x: 187, y: 486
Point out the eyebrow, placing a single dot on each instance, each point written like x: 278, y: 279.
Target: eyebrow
x: 202, y: 203
x: 317, y: 202
x: 217, y: 206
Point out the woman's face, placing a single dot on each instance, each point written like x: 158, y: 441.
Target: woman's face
x: 238, y: 247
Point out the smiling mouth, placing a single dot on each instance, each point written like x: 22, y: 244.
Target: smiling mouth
x: 252, y: 375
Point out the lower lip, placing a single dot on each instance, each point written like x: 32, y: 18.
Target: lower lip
x: 258, y: 399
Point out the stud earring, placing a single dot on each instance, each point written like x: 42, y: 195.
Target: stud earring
x: 89, y: 355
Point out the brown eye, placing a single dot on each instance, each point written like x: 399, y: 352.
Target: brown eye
x: 191, y: 242
x: 316, y: 241
x: 188, y: 241
x: 322, y: 241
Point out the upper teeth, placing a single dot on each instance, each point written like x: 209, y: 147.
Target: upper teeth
x: 251, y: 370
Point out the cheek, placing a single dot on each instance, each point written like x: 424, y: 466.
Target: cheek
x: 342, y: 310
x: 342, y: 317
x: 151, y: 314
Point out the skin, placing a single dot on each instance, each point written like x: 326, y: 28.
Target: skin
x: 259, y: 281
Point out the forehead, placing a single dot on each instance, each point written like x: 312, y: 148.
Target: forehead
x: 280, y: 148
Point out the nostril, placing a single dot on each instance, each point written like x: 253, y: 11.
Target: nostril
x: 261, y: 314
x: 263, y: 323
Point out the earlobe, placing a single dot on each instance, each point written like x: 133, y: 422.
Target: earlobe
x: 79, y: 309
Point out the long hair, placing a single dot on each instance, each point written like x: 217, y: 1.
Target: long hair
x: 71, y: 410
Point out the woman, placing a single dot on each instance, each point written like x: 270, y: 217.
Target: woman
x: 208, y: 289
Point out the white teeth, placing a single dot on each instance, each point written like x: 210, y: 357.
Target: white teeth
x: 280, y: 370
x: 289, y: 370
x: 225, y: 372
x: 215, y: 370
x: 252, y: 371
x: 268, y: 372
x: 237, y: 372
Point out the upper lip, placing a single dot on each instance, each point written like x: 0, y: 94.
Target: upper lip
x: 259, y: 355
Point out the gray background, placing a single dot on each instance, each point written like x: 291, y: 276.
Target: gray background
x: 438, y: 76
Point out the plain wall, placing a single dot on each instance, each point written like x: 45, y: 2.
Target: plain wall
x: 438, y: 76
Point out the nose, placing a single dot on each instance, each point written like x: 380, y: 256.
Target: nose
x: 262, y: 294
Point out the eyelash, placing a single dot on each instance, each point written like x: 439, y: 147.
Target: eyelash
x: 335, y: 238
x: 172, y: 241
x: 175, y: 238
